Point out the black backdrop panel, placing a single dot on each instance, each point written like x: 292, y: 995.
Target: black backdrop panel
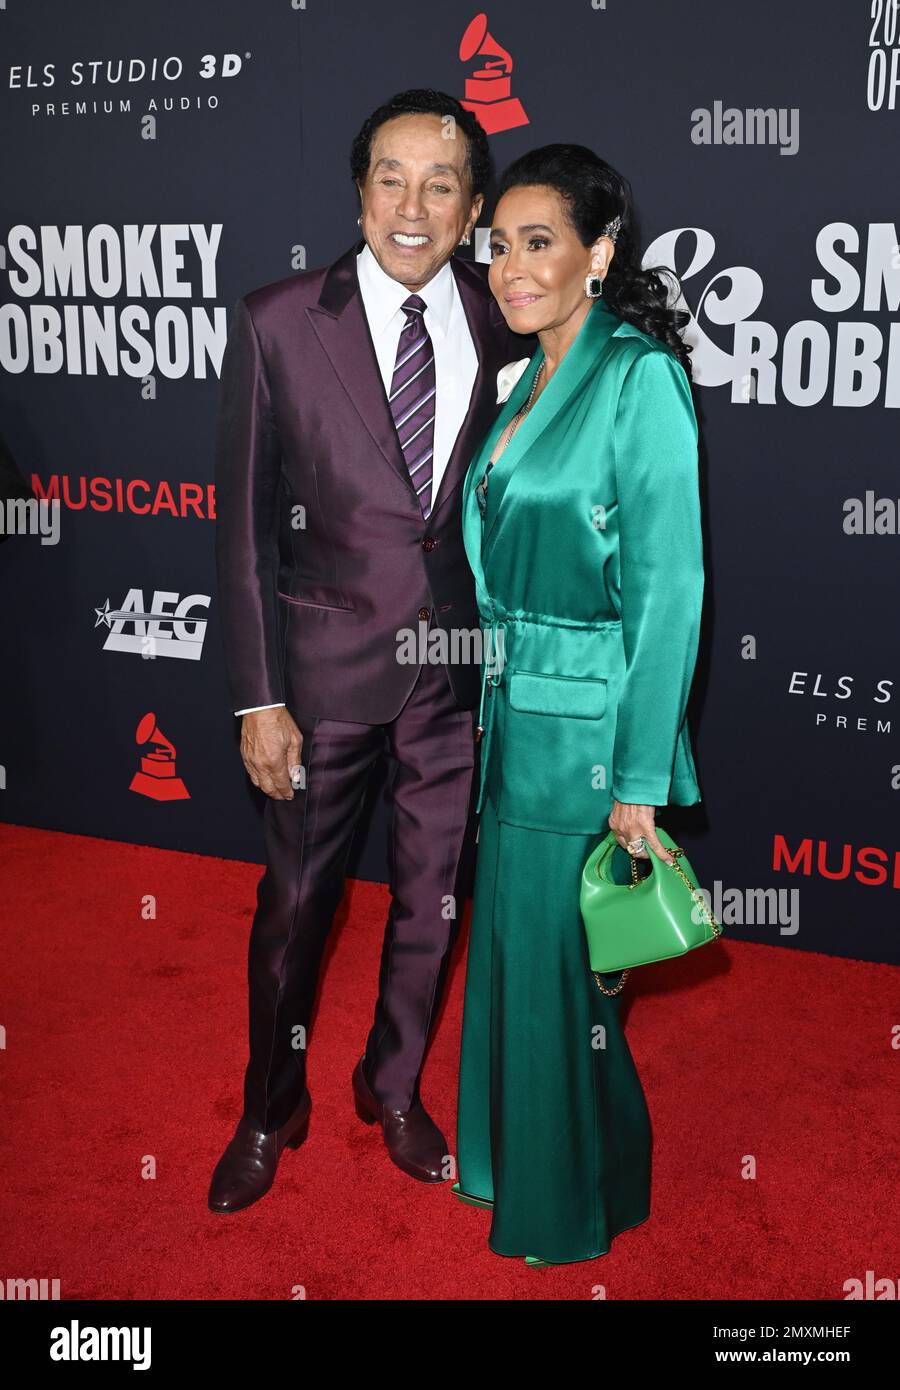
x: 784, y: 233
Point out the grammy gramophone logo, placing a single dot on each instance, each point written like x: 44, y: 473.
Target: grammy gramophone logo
x: 156, y: 776
x: 488, y: 95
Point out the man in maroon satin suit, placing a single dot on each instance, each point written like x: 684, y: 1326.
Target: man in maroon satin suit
x: 353, y: 398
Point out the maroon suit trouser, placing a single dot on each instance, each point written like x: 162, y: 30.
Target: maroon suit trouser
x: 308, y: 840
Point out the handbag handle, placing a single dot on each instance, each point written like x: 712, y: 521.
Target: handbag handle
x: 676, y: 853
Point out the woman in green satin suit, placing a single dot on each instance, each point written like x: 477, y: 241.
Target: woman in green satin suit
x: 581, y: 521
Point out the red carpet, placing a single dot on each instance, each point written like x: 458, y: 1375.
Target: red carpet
x: 125, y: 1045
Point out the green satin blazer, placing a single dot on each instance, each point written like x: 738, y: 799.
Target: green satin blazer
x: 588, y: 560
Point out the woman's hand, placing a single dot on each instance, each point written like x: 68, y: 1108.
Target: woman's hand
x: 631, y: 822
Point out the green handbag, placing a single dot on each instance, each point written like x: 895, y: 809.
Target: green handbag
x: 652, y: 918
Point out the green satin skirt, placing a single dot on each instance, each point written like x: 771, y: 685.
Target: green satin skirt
x: 553, y: 1126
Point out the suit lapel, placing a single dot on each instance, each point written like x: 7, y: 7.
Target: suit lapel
x: 340, y: 324
x: 474, y: 526
x: 596, y: 331
x: 485, y: 322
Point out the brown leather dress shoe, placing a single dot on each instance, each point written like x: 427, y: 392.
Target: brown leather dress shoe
x: 246, y: 1170
x: 413, y: 1140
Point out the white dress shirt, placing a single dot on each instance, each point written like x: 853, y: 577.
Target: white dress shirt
x: 455, y: 358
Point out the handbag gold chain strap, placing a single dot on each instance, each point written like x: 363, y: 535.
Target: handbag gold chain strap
x: 635, y: 880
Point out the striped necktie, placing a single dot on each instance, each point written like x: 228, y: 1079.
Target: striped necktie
x: 412, y: 399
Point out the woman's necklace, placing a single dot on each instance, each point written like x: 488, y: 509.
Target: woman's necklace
x: 481, y: 489
x: 522, y: 411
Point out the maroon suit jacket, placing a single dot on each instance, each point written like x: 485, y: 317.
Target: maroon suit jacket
x: 322, y: 552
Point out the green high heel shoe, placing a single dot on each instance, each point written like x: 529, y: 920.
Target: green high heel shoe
x: 534, y: 1263
x: 469, y: 1199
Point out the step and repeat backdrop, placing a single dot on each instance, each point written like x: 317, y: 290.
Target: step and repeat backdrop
x: 160, y: 160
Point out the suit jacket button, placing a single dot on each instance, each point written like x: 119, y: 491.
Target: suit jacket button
x: 429, y: 543
x: 424, y: 614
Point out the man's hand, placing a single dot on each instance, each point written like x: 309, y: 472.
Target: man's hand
x: 270, y: 746
x: 629, y: 822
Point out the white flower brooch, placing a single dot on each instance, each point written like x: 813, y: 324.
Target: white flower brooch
x: 508, y: 376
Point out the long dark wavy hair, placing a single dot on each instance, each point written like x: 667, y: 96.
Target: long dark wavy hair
x: 593, y: 194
